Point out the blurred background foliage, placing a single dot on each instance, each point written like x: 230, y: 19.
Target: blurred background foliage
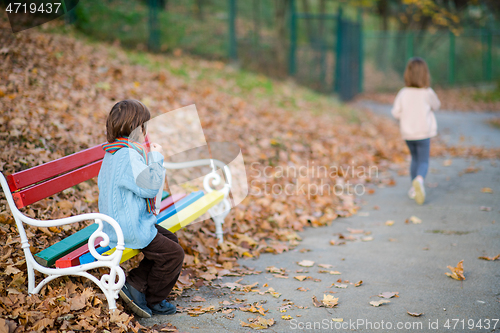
x: 460, y: 39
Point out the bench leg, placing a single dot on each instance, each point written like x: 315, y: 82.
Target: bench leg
x: 218, y: 214
x: 110, y: 284
x: 218, y: 228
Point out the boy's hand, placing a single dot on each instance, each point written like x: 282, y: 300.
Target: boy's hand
x: 156, y: 147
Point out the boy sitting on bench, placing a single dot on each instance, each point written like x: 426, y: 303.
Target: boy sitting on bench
x: 129, y: 181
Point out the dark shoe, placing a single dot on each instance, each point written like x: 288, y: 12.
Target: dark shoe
x: 136, y: 301
x: 164, y: 308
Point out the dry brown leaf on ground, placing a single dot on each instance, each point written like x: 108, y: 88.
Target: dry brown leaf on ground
x: 208, y: 276
x: 254, y: 308
x: 284, y: 308
x: 414, y: 314
x: 165, y: 327
x: 279, y: 276
x: 325, y: 266
x: 471, y: 169
x: 328, y: 301
x: 457, y: 273
x: 359, y: 283
x: 415, y: 220
x: 273, y: 269
x: 379, y: 303
x: 490, y: 258
x: 199, y: 310
x: 486, y: 190
x: 270, y: 291
x: 306, y: 263
x: 388, y: 294
x: 258, y: 323
x: 341, y: 286
x: 198, y: 299
x: 316, y: 303
x: 447, y: 163
x: 300, y: 277
x: 302, y: 289
x: 7, y: 326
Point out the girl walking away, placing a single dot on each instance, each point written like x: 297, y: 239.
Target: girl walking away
x: 414, y: 106
x: 128, y: 182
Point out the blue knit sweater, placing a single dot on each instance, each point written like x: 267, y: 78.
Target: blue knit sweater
x: 124, y: 182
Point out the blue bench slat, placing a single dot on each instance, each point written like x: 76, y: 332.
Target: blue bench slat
x: 181, y: 204
x: 88, y: 257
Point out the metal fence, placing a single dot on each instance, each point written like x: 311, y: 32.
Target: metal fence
x: 473, y: 57
x: 327, y: 51
x: 262, y: 35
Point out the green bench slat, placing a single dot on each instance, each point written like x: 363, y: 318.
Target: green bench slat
x: 49, y: 256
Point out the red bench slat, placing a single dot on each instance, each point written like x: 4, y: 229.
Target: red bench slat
x: 56, y: 185
x: 72, y: 259
x: 48, y: 170
x: 171, y: 200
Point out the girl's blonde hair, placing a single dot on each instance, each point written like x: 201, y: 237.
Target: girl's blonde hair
x: 417, y: 73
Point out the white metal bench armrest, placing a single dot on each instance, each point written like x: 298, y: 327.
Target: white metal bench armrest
x: 212, y: 178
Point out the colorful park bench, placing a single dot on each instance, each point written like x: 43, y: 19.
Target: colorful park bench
x: 87, y: 249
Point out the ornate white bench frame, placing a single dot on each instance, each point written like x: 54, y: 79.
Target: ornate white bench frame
x: 110, y: 283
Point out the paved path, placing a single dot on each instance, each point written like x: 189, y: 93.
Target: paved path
x: 407, y: 258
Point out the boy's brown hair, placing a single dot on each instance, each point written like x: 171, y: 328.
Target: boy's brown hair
x: 124, y: 117
x: 417, y: 73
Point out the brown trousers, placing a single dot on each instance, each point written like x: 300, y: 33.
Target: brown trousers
x: 158, y: 272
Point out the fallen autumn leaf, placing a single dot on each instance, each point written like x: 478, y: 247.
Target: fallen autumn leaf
x: 379, y: 303
x: 490, y: 258
x: 457, y: 273
x: 306, y: 263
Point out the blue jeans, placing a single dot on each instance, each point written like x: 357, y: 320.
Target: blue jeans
x: 419, y: 150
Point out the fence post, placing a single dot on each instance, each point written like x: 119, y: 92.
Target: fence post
x: 338, y: 51
x: 487, y: 54
x: 409, y: 44
x: 154, y: 31
x: 69, y: 9
x: 361, y: 51
x: 232, y: 30
x: 293, y: 39
x: 451, y: 64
